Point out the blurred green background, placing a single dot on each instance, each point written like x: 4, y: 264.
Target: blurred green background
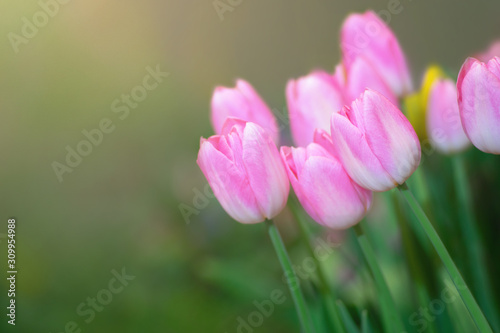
x: 120, y: 206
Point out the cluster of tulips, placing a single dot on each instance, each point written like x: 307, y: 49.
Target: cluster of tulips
x: 351, y: 139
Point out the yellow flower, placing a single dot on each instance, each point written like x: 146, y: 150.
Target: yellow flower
x: 416, y: 104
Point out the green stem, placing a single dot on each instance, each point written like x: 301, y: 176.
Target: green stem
x: 349, y: 322
x: 422, y: 190
x: 298, y: 298
x: 465, y: 294
x: 325, y: 289
x: 414, y: 255
x: 392, y: 321
x: 423, y: 196
x: 470, y: 232
x: 365, y: 323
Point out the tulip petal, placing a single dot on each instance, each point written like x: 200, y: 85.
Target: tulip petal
x: 266, y: 171
x: 494, y: 66
x: 357, y: 157
x: 229, y: 184
x: 444, y: 126
x: 300, y: 124
x: 324, y: 139
x: 294, y: 159
x: 311, y: 101
x: 261, y: 114
x: 389, y: 135
x: 367, y: 35
x: 467, y: 65
x: 324, y: 189
x: 332, y: 193
x: 242, y: 102
x: 227, y: 102
x: 479, y: 104
x: 362, y: 75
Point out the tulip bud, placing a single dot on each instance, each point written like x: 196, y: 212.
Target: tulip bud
x: 245, y: 171
x: 242, y: 102
x: 324, y: 188
x: 444, y: 126
x: 311, y: 101
x: 368, y: 36
x: 375, y: 142
x: 478, y: 86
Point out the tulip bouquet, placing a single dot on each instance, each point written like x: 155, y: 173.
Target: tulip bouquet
x: 352, y: 139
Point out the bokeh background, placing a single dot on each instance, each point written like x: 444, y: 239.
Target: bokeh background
x: 120, y: 206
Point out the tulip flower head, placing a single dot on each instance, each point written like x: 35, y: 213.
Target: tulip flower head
x: 311, y: 101
x: 245, y: 171
x: 242, y: 102
x: 444, y: 126
x: 323, y: 187
x: 368, y: 36
x: 375, y: 142
x: 478, y: 88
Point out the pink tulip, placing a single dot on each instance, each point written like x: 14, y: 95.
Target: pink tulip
x: 444, y: 126
x: 375, y: 142
x: 478, y: 88
x: 368, y: 36
x: 323, y: 187
x: 362, y: 75
x: 492, y: 51
x: 245, y: 171
x: 311, y: 101
x: 242, y: 102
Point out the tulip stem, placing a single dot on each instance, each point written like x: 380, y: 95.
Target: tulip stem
x: 298, y: 297
x: 413, y: 252
x: 469, y: 301
x: 391, y: 319
x: 325, y: 289
x: 470, y: 232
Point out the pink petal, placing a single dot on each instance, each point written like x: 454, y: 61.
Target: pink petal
x: 332, y: 194
x: 362, y: 75
x: 444, y: 126
x: 355, y: 154
x: 311, y: 101
x: 367, y: 35
x: 389, y: 135
x: 241, y: 102
x: 229, y: 184
x: 494, y: 66
x: 265, y: 169
x: 479, y: 105
x: 323, y: 187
